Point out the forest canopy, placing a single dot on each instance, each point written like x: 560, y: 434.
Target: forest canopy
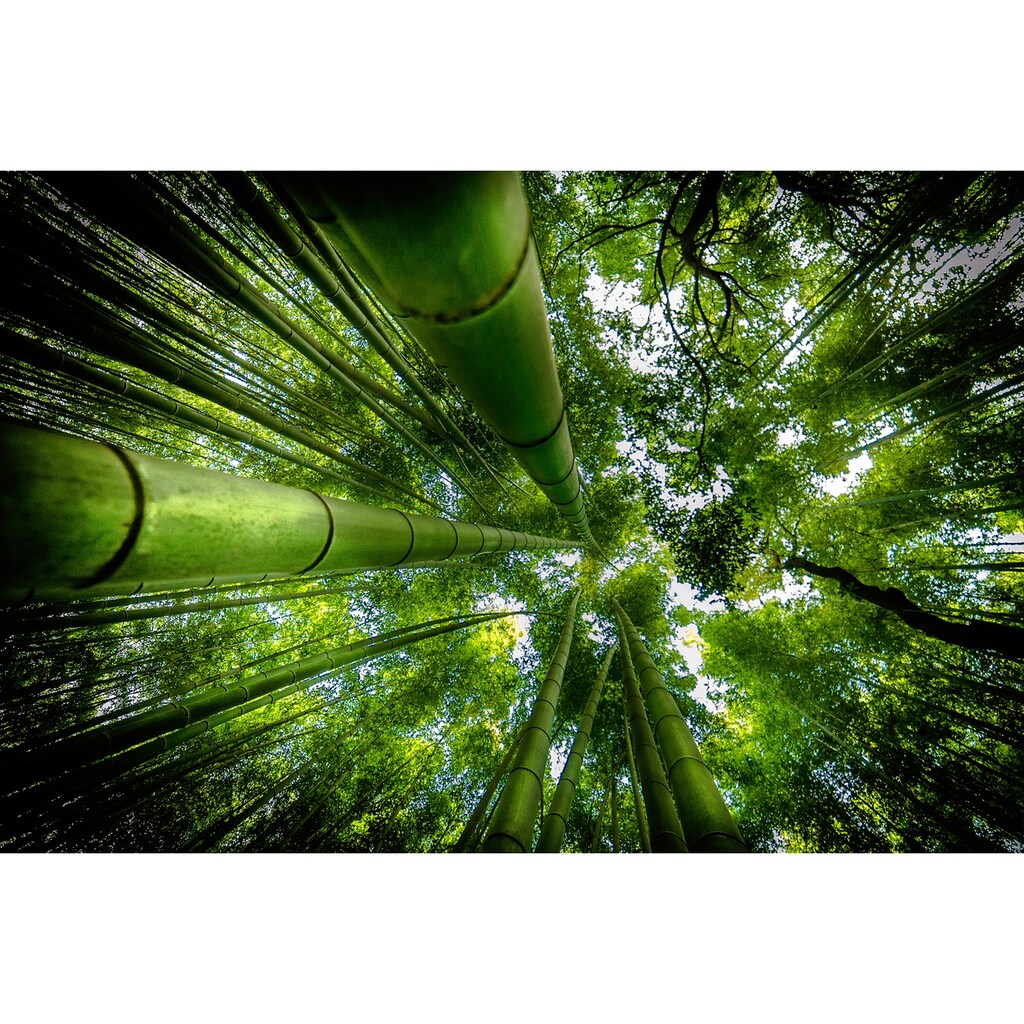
x: 587, y: 511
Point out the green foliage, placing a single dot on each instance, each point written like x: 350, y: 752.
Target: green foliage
x: 712, y: 545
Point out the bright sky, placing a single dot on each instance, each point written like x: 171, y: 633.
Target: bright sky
x: 843, y: 482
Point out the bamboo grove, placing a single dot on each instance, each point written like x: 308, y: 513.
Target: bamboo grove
x: 456, y: 512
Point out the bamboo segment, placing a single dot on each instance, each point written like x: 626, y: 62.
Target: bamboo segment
x: 452, y: 255
x: 707, y: 823
x: 511, y: 830
x: 552, y: 833
x: 666, y: 831
x: 79, y: 518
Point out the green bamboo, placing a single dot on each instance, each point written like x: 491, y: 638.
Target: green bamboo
x: 615, y: 812
x: 926, y: 387
x: 638, y: 804
x: 220, y: 829
x: 248, y: 196
x: 115, y: 615
x: 453, y: 256
x: 1002, y: 390
x: 100, y: 809
x: 103, y: 604
x: 129, y: 207
x: 666, y: 831
x: 327, y: 269
x: 552, y: 833
x: 104, y: 334
x: 42, y: 355
x: 469, y: 833
x: 179, y: 720
x: 595, y: 842
x: 707, y: 823
x: 80, y: 518
x: 971, y: 485
x: 1008, y: 272
x: 511, y: 829
x: 73, y: 264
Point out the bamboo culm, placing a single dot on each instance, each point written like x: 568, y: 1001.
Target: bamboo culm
x: 552, y: 833
x: 511, y: 829
x: 82, y: 518
x: 666, y: 831
x: 707, y: 823
x: 638, y: 804
x: 466, y: 281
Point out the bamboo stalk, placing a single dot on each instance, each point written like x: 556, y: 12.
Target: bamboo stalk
x: 666, y: 831
x: 511, y: 829
x: 452, y: 255
x: 81, y: 518
x: 707, y: 823
x: 469, y: 833
x: 552, y: 833
x: 638, y: 804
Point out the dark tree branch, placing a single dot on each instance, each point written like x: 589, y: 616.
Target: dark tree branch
x: 975, y: 635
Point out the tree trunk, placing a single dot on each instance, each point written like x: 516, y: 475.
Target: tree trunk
x: 975, y: 635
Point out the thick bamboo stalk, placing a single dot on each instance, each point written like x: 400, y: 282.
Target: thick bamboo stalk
x: 128, y: 206
x: 707, y: 823
x: 79, y: 518
x: 511, y: 829
x: 452, y: 255
x: 552, y: 833
x: 103, y: 333
x: 666, y: 831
